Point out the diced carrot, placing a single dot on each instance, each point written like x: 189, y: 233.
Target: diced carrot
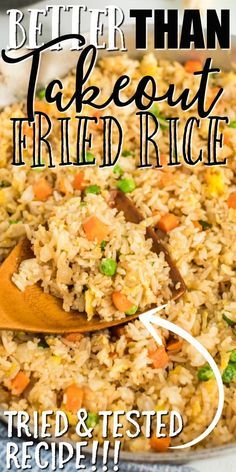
x: 28, y: 131
x: 79, y: 183
x: 212, y: 94
x: 214, y: 90
x: 40, y: 105
x: 168, y: 222
x: 95, y: 229
x: 193, y: 66
x: 227, y: 138
x: 174, y: 345
x: 99, y: 125
x: 164, y: 162
x: 160, y: 444
x: 121, y: 302
x: 73, y: 337
x: 231, y: 202
x: 197, y: 225
x: 19, y: 383
x: 42, y: 189
x: 73, y: 398
x: 166, y: 179
x: 159, y: 358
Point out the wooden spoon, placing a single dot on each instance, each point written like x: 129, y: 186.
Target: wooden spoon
x: 39, y: 312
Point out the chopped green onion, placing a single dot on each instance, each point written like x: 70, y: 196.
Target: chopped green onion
x: 229, y: 321
x: 39, y: 168
x: 214, y: 75
x: 4, y: 184
x: 232, y: 124
x: 127, y: 153
x: 205, y: 225
x: 156, y: 112
x: 118, y: 171
x: 229, y: 373
x: 43, y: 343
x: 108, y: 267
x: 92, y: 420
x: 163, y: 123
x: 93, y: 189
x: 41, y: 93
x: 205, y: 373
x: 90, y: 157
x: 132, y: 310
x: 233, y: 356
x: 103, y: 245
x: 126, y: 185
x: 13, y: 222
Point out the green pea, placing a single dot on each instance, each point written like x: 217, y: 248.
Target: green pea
x: 92, y: 420
x: 233, y: 356
x: 90, y: 157
x: 108, y: 267
x: 93, y: 189
x: 13, y: 222
x: 41, y: 93
x: 117, y: 170
x: 126, y: 185
x: 228, y: 320
x: 232, y: 124
x: 205, y: 225
x: 229, y: 373
x: 103, y: 245
x: 205, y: 373
x: 132, y: 310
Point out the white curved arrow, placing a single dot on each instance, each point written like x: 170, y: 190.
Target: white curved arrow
x: 148, y: 319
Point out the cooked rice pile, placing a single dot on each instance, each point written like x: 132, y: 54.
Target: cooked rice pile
x: 87, y: 273
x: 117, y: 370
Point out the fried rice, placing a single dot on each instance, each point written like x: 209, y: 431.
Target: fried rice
x: 114, y: 368
x: 84, y: 273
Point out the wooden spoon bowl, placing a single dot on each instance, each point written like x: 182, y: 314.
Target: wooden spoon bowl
x: 36, y: 311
